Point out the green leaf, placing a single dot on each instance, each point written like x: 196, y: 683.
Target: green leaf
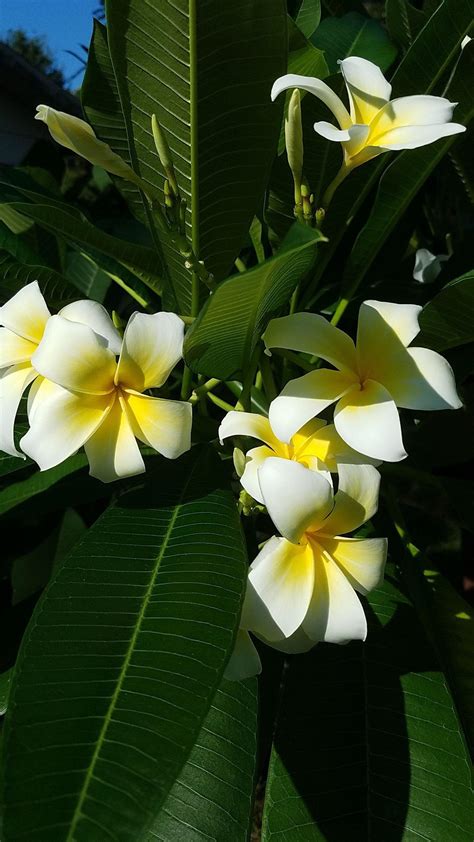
x: 309, y: 16
x: 73, y: 226
x: 368, y: 745
x: 404, y: 21
x: 87, y: 276
x: 5, y: 683
x: 462, y: 159
x: 56, y: 290
x: 425, y: 63
x: 404, y: 177
x: 212, y: 796
x: 17, y: 492
x: 354, y: 35
x: 225, y: 334
x: 303, y: 57
x: 206, y: 70
x: 448, y: 319
x: 123, y: 657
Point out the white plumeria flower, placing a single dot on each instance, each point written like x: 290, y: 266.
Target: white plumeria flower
x: 369, y: 382
x: 317, y: 446
x: 245, y: 660
x: 89, y: 398
x: 428, y: 266
x: 374, y: 124
x: 302, y: 587
x: 79, y: 136
x: 23, y: 319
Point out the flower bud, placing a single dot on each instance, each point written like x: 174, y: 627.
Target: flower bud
x: 164, y: 154
x: 77, y: 135
x: 294, y: 140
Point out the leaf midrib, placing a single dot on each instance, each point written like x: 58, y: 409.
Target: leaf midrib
x: 78, y: 814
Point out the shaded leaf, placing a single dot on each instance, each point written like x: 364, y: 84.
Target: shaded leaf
x: 404, y: 21
x: 22, y: 490
x: 308, y: 16
x: 448, y: 319
x: 56, y: 289
x: 354, y: 35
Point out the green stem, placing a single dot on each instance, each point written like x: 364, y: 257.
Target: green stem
x: 331, y: 189
x: 243, y: 403
x: 268, y: 381
x: 340, y: 310
x: 227, y: 407
x: 202, y: 390
x: 240, y: 265
x: 186, y: 386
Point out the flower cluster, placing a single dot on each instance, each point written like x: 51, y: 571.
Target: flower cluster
x: 88, y: 384
x: 302, y: 587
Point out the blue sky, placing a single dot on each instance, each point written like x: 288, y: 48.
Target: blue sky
x: 66, y: 24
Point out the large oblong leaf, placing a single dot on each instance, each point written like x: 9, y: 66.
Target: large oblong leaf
x: 448, y: 319
x: 224, y: 335
x: 122, y: 659
x: 206, y: 69
x: 368, y: 745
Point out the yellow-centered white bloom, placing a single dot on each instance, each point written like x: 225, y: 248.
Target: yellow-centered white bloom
x: 369, y: 382
x: 79, y: 136
x: 89, y: 398
x: 23, y: 319
x: 302, y: 587
x: 317, y: 446
x: 374, y: 123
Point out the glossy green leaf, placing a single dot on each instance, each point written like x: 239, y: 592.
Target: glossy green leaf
x: 55, y: 288
x: 87, y: 276
x: 404, y: 21
x: 308, y: 16
x: 368, y: 746
x: 448, y: 319
x: 404, y: 177
x: 462, y: 158
x: 5, y: 684
x: 206, y: 70
x: 24, y: 489
x: 304, y: 58
x: 213, y: 794
x: 354, y: 35
x: 223, y: 337
x: 122, y: 659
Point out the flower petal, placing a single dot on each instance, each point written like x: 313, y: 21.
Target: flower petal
x: 162, y: 424
x: 329, y: 132
x: 245, y: 660
x: 75, y: 357
x: 356, y: 500
x: 367, y: 419
x: 335, y: 614
x: 26, y: 313
x: 384, y: 329
x: 319, y: 89
x: 296, y: 644
x: 61, y: 423
x: 254, y: 461
x: 297, y: 498
x: 362, y: 560
x: 305, y: 397
x: 13, y: 382
x: 152, y: 345
x: 422, y: 380
x: 367, y: 87
x: 332, y: 450
x: 412, y: 112
x: 14, y: 349
x: 112, y: 450
x: 92, y: 313
x: 247, y: 424
x: 279, y: 588
x: 428, y: 266
x: 312, y: 334
x: 411, y: 137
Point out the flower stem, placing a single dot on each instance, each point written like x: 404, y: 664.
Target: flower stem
x: 331, y: 189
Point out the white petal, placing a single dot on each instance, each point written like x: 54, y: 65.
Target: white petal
x: 367, y: 419
x: 423, y: 380
x: 245, y: 660
x: 247, y: 424
x: 319, y: 89
x: 362, y: 560
x: 152, y: 345
x: 61, y: 423
x: 332, y: 450
x: 356, y: 500
x: 305, y: 397
x: 92, y: 313
x: 427, y: 266
x: 335, y: 614
x: 249, y: 479
x: 367, y: 87
x: 384, y: 330
x: 411, y: 111
x: 279, y: 589
x: 75, y: 357
x: 13, y: 382
x: 358, y: 135
x: 112, y: 450
x: 296, y: 644
x: 162, y: 424
x: 26, y: 313
x: 328, y: 131
x: 14, y: 349
x: 411, y: 137
x: 297, y: 498
x: 314, y: 335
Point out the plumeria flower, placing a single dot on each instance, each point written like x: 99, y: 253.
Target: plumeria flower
x: 302, y: 587
x: 317, y: 446
x: 79, y: 136
x: 369, y: 381
x: 428, y: 266
x: 89, y: 398
x: 23, y: 319
x: 374, y: 123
